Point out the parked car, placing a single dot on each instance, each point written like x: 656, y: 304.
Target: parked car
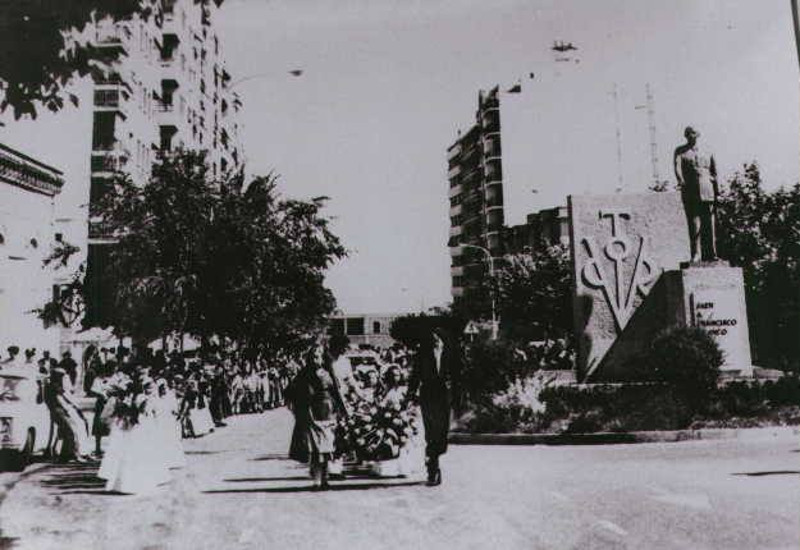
x: 24, y: 419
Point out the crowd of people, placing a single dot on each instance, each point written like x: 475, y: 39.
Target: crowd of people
x: 358, y: 405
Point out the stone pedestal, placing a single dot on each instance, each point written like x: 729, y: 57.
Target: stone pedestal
x: 713, y: 300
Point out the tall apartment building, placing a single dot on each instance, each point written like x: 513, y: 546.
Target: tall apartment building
x: 169, y: 89
x: 494, y: 172
x: 475, y: 174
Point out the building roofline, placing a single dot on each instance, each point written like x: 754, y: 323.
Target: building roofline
x: 32, y: 160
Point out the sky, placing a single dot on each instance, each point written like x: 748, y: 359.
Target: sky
x: 387, y: 85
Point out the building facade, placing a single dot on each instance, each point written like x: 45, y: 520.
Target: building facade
x: 169, y: 90
x: 28, y: 234
x: 371, y: 328
x: 475, y: 176
x: 548, y: 227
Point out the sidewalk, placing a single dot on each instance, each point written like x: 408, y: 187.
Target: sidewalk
x: 611, y: 438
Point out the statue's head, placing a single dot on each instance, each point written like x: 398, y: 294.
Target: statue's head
x: 691, y: 135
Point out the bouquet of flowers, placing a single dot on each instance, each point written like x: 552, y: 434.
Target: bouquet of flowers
x: 127, y: 396
x: 378, y: 431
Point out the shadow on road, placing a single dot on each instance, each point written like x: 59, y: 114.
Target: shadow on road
x: 278, y: 456
x: 773, y: 473
x: 309, y: 489
x: 256, y: 479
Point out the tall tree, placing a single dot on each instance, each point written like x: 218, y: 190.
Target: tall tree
x: 534, y: 294
x: 203, y: 257
x: 760, y: 232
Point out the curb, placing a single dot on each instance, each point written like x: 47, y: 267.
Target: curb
x: 615, y: 438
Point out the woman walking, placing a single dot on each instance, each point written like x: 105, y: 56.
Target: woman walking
x: 315, y: 400
x: 436, y: 367
x: 72, y: 426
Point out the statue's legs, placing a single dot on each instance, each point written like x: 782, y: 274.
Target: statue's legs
x: 707, y: 234
x: 695, y: 237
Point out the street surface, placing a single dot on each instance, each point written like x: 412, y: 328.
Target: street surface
x: 240, y: 491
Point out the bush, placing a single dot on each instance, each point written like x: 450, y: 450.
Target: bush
x: 688, y: 359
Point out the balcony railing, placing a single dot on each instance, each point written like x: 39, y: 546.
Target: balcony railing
x: 108, y: 163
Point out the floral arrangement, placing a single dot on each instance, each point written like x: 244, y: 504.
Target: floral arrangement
x: 128, y: 396
x: 377, y: 430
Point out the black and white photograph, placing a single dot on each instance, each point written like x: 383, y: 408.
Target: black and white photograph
x: 384, y: 274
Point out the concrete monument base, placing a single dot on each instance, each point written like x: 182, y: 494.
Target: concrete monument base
x: 713, y: 300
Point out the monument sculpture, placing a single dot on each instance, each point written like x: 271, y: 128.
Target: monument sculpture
x: 696, y: 173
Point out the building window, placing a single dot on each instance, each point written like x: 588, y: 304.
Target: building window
x: 337, y: 326
x: 355, y: 326
x: 103, y: 131
x: 376, y: 327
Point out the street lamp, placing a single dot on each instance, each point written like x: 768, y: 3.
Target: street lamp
x: 491, y: 275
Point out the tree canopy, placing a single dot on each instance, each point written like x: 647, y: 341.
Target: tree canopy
x: 760, y: 232
x: 210, y: 259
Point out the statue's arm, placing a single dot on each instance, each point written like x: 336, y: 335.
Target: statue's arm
x: 676, y: 163
x: 712, y: 170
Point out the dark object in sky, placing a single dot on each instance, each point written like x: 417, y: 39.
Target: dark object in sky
x: 561, y: 46
x: 515, y: 89
x: 296, y: 72
x: 531, y: 76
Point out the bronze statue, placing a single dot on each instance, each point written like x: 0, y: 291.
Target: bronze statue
x: 697, y: 180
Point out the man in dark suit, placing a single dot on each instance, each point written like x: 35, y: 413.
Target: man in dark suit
x: 434, y: 373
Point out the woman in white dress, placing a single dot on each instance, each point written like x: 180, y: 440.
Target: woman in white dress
x: 130, y: 465
x: 169, y: 429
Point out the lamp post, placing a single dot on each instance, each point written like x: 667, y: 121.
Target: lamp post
x: 491, y: 275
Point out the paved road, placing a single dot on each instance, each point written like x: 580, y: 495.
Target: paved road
x: 240, y: 491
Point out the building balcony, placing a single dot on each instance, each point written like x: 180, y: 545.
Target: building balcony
x: 100, y: 230
x: 110, y: 98
x: 453, y: 152
x: 454, y: 190
x: 107, y: 163
x: 111, y: 36
x: 494, y: 180
x: 455, y: 210
x: 454, y: 171
x: 456, y: 271
x: 455, y: 231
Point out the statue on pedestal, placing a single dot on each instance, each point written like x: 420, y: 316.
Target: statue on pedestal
x: 697, y: 180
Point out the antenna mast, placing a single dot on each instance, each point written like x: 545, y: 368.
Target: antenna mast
x: 620, y: 179
x: 651, y: 121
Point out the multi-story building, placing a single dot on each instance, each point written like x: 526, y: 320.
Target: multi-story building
x: 494, y: 172
x: 169, y: 89
x: 475, y: 174
x: 548, y: 227
x: 27, y: 236
x: 371, y: 328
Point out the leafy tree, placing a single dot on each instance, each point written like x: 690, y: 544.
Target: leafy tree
x: 45, y: 47
x: 760, y: 232
x: 534, y: 295
x: 206, y: 258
